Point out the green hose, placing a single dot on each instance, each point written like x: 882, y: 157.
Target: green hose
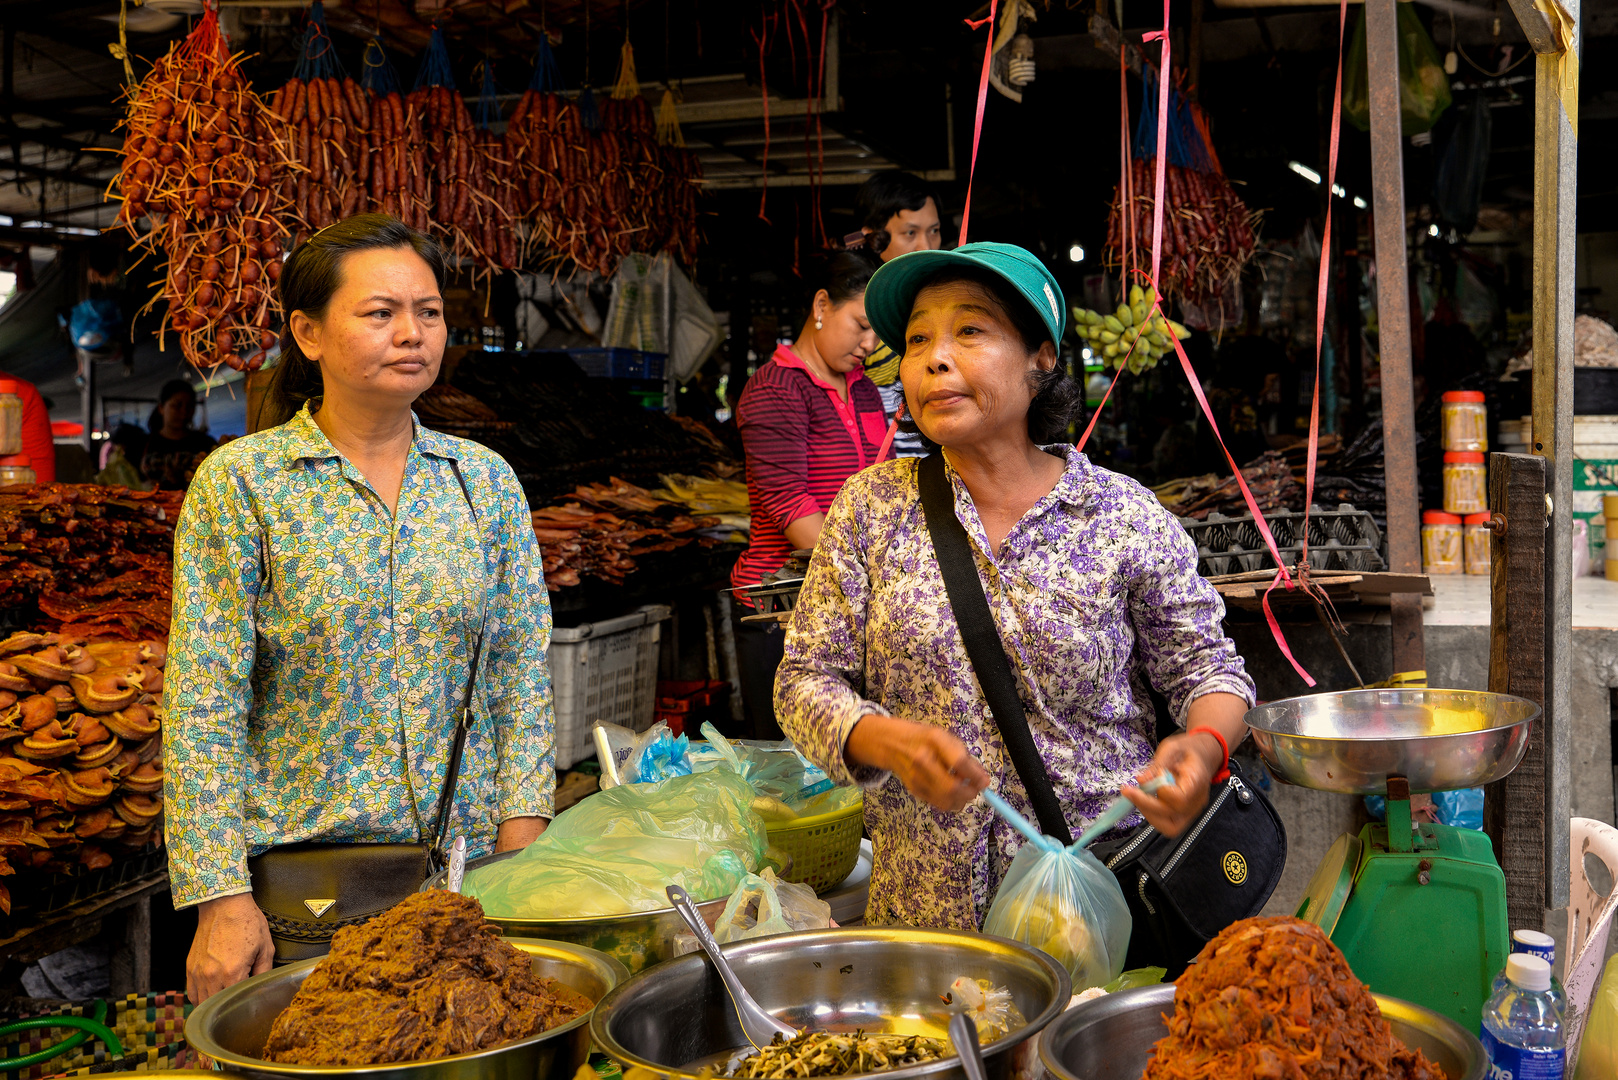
x: 86, y: 1025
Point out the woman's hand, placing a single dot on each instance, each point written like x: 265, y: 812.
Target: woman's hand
x: 1193, y: 757
x: 518, y: 832
x: 232, y: 944
x: 933, y: 765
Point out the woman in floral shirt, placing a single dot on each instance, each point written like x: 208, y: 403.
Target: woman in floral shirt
x: 1092, y: 584
x: 331, y: 575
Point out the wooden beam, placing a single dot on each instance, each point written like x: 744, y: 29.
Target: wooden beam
x: 1514, y: 808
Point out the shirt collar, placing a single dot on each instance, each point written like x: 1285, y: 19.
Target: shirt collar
x: 787, y: 358
x: 305, y: 440
x: 1070, y: 487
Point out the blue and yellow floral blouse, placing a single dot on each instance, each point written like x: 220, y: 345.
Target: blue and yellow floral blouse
x: 320, y: 651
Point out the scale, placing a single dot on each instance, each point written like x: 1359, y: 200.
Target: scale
x: 1419, y: 912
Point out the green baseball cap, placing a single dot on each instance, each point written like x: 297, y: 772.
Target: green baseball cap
x: 893, y: 288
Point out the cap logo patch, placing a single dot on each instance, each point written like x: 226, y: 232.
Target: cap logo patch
x: 1056, y: 311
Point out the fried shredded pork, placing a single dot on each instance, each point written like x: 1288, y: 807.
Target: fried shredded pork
x: 826, y: 1053
x: 1274, y: 999
x: 426, y: 979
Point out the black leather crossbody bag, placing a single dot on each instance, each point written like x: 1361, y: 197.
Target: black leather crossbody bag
x: 309, y: 891
x: 1181, y: 890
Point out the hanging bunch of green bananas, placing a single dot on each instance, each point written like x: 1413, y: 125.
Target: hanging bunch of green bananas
x: 1134, y: 324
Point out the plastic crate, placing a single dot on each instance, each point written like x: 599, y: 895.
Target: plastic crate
x: 684, y: 704
x: 604, y: 363
x: 604, y: 672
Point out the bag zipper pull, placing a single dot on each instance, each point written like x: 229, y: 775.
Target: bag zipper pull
x: 1244, y: 795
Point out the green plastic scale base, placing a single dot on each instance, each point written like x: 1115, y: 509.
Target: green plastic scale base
x: 1438, y: 944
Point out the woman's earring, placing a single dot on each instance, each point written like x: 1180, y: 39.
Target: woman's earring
x: 818, y: 326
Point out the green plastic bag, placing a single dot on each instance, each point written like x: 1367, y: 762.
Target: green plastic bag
x: 1598, y: 1052
x: 1423, y: 86
x: 617, y: 851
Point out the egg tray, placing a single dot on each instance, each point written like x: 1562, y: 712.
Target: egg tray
x: 1341, y: 539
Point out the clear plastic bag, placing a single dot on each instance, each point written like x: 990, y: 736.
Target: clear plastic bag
x: 990, y: 1007
x: 1070, y: 906
x: 617, y: 851
x: 644, y: 758
x: 1424, y: 91
x: 789, y: 785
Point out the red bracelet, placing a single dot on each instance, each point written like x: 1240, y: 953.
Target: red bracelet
x: 1224, y: 770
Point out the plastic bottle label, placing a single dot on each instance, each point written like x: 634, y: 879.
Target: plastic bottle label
x: 1522, y: 1062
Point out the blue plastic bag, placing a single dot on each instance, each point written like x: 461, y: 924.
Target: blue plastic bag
x: 1068, y: 905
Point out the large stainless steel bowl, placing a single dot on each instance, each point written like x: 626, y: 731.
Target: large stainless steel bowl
x: 637, y: 940
x: 1110, y: 1038
x: 232, y: 1026
x: 1353, y: 741
x: 676, y: 1017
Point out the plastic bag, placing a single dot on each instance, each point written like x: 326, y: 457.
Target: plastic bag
x: 788, y: 784
x: 644, y: 758
x: 1598, y: 1053
x: 617, y: 851
x: 1462, y: 809
x: 1068, y: 905
x: 1423, y: 87
x: 763, y: 905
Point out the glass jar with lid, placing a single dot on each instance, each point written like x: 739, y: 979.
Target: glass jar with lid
x: 10, y: 418
x: 17, y: 469
x: 1466, y: 483
x: 1441, y: 545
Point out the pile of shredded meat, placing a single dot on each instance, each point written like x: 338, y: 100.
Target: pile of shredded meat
x: 1273, y: 998
x: 426, y: 979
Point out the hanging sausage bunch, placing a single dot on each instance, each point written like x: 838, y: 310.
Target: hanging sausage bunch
x: 496, y: 216
x: 326, y: 118
x: 398, y: 181
x: 203, y: 160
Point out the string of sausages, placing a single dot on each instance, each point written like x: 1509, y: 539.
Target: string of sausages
x: 203, y: 158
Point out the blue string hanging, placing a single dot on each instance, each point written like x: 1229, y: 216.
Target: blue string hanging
x: 377, y: 75
x: 488, y: 104
x: 317, y: 53
x: 435, y: 69
x: 1185, y: 146
x: 547, y: 77
x: 588, y: 113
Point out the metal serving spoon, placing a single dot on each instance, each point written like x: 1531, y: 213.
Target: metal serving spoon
x: 759, y: 1026
x: 964, y: 1034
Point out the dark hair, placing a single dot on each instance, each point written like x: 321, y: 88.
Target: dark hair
x: 309, y: 279
x: 887, y: 193
x: 843, y: 274
x: 1058, y: 399
x: 154, y: 423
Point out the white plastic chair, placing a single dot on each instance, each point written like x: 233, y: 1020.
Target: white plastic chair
x: 1589, y: 921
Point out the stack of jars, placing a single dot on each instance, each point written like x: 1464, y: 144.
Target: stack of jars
x: 1456, y: 539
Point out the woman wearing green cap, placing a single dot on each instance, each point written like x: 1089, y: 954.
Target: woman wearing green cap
x: 1091, y: 584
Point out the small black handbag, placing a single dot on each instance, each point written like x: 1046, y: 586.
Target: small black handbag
x: 1181, y: 890
x: 309, y: 891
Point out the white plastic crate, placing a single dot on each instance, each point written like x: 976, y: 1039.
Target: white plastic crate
x: 604, y: 672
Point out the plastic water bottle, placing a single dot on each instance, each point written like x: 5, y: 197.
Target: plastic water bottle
x: 1543, y: 946
x: 1522, y: 1030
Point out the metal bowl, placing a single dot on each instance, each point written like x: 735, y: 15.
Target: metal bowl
x: 676, y: 1017
x: 636, y: 940
x: 232, y: 1027
x: 1351, y: 742
x: 1111, y: 1038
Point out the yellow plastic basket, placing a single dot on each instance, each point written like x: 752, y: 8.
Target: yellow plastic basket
x: 824, y: 847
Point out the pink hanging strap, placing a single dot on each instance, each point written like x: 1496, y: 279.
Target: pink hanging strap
x: 977, y: 124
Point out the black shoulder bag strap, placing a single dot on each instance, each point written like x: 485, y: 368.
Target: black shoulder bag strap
x: 983, y: 644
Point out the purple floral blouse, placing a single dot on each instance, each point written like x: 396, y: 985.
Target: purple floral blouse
x: 1096, y: 583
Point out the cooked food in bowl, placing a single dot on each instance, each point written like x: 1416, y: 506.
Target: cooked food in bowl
x: 427, y: 979
x: 1274, y: 998
x: 826, y: 1053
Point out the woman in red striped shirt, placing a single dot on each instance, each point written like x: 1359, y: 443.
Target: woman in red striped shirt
x: 809, y: 419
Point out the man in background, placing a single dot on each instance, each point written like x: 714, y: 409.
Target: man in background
x: 898, y: 214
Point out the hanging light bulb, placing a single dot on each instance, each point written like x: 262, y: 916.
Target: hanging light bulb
x: 1020, y: 69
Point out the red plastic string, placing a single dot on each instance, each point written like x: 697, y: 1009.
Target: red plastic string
x: 762, y: 38
x: 1164, y: 73
x: 977, y: 125
x: 1320, y: 292
x: 1126, y: 176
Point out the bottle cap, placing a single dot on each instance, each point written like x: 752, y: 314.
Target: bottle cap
x: 20, y: 461
x: 8, y: 386
x: 1528, y: 972
x: 1438, y: 517
x: 1463, y: 457
x: 1483, y: 519
x: 1534, y: 943
x: 1464, y: 395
